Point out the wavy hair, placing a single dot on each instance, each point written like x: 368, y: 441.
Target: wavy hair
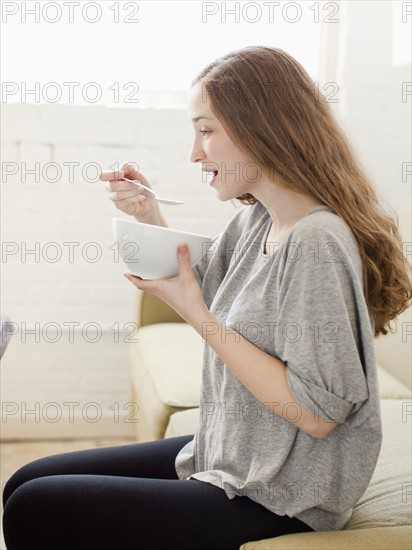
x: 275, y: 114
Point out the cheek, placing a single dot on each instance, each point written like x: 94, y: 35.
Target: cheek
x: 251, y: 173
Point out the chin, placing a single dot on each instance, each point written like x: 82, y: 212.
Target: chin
x: 225, y: 194
x: 226, y: 198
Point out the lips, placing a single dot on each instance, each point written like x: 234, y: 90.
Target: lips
x: 211, y: 175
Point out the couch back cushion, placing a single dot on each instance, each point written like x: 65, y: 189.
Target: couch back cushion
x: 390, y: 387
x: 387, y: 500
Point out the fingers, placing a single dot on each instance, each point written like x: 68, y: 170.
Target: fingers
x: 114, y: 185
x: 150, y: 285
x: 126, y: 170
x: 123, y: 195
x: 132, y: 173
x: 113, y: 175
x: 126, y: 196
x: 129, y: 170
x: 122, y: 203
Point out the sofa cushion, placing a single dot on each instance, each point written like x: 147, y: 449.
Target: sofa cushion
x: 381, y: 538
x: 387, y: 500
x: 172, y: 355
x: 165, y: 372
x: 183, y: 423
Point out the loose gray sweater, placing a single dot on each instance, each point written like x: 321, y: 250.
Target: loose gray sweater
x: 305, y: 306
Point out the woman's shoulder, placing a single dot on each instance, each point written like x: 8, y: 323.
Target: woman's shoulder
x: 324, y: 239
x: 325, y: 226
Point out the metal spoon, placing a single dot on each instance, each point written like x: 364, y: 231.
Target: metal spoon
x: 163, y: 201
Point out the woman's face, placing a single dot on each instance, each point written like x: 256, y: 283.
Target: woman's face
x: 214, y: 149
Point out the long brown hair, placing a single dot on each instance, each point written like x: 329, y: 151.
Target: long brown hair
x: 273, y: 111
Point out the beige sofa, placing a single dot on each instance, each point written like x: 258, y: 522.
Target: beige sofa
x: 165, y: 375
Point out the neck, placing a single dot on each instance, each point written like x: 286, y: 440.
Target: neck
x: 284, y: 206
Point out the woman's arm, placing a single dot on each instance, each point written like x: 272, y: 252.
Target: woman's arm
x: 326, y: 374
x: 266, y: 380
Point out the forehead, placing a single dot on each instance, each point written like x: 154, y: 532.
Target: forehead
x: 199, y: 104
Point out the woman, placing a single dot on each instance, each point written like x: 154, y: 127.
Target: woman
x: 288, y: 301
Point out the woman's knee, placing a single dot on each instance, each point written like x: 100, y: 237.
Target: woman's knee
x: 28, y: 513
x: 13, y: 483
x: 54, y: 511
x: 16, y: 513
x: 29, y: 471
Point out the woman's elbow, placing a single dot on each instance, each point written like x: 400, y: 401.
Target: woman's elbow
x: 322, y: 429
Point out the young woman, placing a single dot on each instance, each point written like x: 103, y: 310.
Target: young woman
x: 296, y: 287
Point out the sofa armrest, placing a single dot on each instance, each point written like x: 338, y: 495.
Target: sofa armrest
x: 377, y: 538
x: 150, y: 310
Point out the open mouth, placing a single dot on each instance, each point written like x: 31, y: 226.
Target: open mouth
x: 211, y: 176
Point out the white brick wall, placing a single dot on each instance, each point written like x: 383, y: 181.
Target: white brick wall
x: 36, y: 290
x: 159, y: 140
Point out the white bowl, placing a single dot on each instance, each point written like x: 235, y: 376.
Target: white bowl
x: 150, y: 251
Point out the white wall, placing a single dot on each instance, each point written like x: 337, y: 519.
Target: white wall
x: 35, y: 290
x: 374, y: 110
x: 38, y: 292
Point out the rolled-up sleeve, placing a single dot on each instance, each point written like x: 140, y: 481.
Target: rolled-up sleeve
x: 317, y: 330
x: 313, y: 397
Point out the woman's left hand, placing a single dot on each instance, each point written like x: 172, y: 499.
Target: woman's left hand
x: 182, y: 292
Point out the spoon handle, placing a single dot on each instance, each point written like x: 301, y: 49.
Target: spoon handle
x: 137, y: 182
x: 163, y: 201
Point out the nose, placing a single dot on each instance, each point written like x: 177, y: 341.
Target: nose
x: 197, y: 154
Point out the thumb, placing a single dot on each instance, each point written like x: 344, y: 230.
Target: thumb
x: 131, y: 171
x: 183, y: 254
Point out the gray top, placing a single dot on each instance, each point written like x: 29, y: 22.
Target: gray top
x: 304, y: 305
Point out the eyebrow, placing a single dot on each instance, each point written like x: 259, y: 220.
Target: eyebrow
x: 200, y: 117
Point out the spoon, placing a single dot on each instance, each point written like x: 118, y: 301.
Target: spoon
x: 159, y: 199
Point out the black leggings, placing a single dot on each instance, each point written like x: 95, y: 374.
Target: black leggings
x: 128, y: 497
